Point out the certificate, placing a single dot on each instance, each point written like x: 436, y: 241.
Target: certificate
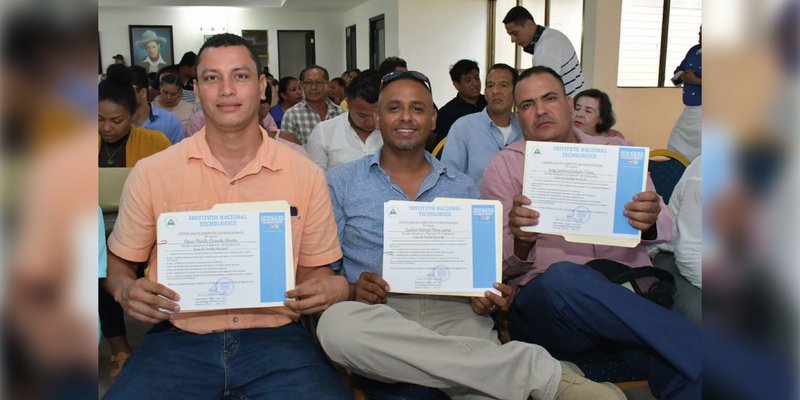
x: 580, y: 190
x: 446, y: 247
x: 233, y: 256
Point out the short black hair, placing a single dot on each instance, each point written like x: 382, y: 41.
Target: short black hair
x: 170, y: 80
x: 312, y: 66
x: 228, y: 40
x: 339, y: 81
x: 540, y: 70
x: 512, y: 70
x: 366, y: 86
x: 188, y: 59
x: 389, y: 65
x: 118, y: 87
x: 605, y: 110
x: 461, y: 68
x: 139, y: 76
x: 518, y: 15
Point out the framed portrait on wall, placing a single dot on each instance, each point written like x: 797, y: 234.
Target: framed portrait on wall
x: 151, y: 46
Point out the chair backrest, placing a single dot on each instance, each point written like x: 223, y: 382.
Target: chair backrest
x: 666, y: 169
x: 438, y: 149
x: 110, y: 182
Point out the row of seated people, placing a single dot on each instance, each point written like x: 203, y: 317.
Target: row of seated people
x: 554, y: 302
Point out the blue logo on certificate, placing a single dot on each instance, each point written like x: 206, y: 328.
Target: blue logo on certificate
x: 272, y: 222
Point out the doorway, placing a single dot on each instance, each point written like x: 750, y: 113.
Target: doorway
x: 296, y: 51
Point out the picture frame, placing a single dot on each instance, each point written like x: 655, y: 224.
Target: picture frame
x: 147, y: 41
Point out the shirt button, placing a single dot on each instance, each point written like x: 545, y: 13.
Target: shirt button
x: 235, y: 319
x: 233, y: 183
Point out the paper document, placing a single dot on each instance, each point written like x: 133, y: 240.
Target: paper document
x: 236, y: 255
x: 580, y: 190
x: 446, y: 247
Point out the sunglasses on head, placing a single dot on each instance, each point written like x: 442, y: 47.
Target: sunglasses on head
x: 414, y: 75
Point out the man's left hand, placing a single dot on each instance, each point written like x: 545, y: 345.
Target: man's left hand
x: 317, y: 294
x: 642, y: 212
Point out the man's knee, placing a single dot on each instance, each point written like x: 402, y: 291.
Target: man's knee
x: 339, y: 327
x: 560, y: 275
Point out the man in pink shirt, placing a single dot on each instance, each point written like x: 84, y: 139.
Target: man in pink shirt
x: 249, y: 353
x: 559, y: 302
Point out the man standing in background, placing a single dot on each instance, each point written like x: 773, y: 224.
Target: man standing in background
x: 549, y: 47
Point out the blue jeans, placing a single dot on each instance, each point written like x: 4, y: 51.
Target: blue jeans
x: 266, y: 363
x: 573, y: 308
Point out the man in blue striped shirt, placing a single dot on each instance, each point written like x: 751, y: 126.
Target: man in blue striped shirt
x: 436, y: 341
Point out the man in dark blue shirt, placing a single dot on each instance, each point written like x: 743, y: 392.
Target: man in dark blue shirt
x: 465, y: 75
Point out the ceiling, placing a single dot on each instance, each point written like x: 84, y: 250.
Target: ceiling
x: 301, y: 5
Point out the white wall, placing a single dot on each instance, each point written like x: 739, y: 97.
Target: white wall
x: 436, y: 34
x: 360, y: 16
x: 187, y: 34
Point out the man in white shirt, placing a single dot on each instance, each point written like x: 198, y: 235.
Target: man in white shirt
x: 352, y: 135
x: 687, y: 243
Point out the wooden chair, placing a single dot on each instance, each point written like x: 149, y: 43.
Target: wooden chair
x: 437, y: 151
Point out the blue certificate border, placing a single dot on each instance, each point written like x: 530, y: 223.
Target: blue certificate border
x: 631, y: 163
x: 484, y: 246
x: 272, y: 244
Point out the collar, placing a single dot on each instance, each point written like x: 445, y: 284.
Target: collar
x: 153, y: 114
x: 485, y: 112
x: 437, y: 167
x: 536, y: 36
x: 266, y: 157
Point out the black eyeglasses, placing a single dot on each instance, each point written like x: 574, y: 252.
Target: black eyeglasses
x: 417, y: 76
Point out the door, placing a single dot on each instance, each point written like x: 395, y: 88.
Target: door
x: 296, y: 51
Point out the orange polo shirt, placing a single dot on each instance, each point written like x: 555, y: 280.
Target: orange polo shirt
x: 187, y: 177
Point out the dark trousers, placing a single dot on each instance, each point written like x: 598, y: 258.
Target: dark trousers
x: 573, y: 308
x: 263, y: 363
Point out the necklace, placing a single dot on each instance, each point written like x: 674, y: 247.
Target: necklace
x: 111, y: 156
x: 121, y: 144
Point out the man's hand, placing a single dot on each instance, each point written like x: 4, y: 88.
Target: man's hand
x: 518, y: 217
x: 317, y: 294
x: 689, y: 77
x: 371, y: 288
x: 490, y: 303
x: 642, y: 212
x: 148, y: 301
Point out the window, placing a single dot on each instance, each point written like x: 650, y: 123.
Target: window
x: 258, y: 39
x: 350, y: 46
x: 377, y: 41
x: 654, y: 37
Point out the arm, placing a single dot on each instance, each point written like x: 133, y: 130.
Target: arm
x: 318, y: 288
x: 497, y: 185
x: 316, y: 148
x: 141, y: 298
x: 687, y: 205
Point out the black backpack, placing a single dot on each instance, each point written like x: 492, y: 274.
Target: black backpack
x: 660, y: 291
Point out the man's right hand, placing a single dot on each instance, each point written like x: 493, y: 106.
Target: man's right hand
x: 371, y: 288
x: 148, y: 301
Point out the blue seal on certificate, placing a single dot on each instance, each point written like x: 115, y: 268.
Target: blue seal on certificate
x: 224, y: 286
x: 579, y: 214
x: 441, y: 273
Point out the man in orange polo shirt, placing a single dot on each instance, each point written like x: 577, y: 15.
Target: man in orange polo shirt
x: 252, y: 353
